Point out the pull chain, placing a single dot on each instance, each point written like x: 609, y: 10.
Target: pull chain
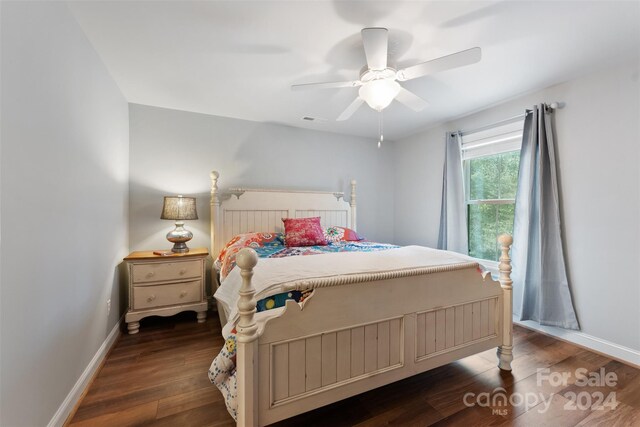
x: 380, y: 130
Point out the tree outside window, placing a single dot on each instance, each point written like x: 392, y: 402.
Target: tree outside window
x: 491, y: 201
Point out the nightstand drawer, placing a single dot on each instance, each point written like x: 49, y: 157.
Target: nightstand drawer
x: 160, y: 295
x: 162, y: 271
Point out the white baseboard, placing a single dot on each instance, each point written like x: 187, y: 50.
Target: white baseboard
x: 616, y: 351
x: 76, y: 392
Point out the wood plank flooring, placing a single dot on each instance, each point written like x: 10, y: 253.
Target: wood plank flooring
x: 159, y: 378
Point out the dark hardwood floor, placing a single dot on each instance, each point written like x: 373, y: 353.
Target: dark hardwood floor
x: 159, y: 377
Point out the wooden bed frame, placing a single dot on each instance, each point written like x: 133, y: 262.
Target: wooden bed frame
x: 356, y: 332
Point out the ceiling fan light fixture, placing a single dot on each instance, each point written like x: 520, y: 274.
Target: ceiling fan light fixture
x: 379, y: 93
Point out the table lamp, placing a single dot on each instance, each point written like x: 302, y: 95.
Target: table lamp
x: 179, y: 208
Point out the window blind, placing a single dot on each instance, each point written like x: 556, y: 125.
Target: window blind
x: 496, y: 140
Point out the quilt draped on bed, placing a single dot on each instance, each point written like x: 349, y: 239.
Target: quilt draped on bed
x: 281, y: 269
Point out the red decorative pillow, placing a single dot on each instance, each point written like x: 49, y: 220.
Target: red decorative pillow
x: 303, y: 232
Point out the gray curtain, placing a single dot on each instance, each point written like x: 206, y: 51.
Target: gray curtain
x: 541, y: 288
x: 453, y: 212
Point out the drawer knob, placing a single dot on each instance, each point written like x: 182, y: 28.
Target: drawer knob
x: 151, y: 274
x: 183, y: 271
x: 183, y: 294
x: 151, y: 298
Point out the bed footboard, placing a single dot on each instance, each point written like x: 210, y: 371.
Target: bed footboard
x: 355, y: 337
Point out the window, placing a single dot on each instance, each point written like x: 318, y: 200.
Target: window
x: 491, y: 159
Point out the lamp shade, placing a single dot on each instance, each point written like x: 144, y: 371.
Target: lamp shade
x: 379, y: 93
x: 179, y: 208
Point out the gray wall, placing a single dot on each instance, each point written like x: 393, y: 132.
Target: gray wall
x: 173, y: 152
x: 64, y: 207
x: 598, y: 152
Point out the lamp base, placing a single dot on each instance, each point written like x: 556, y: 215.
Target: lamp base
x: 179, y: 237
x: 180, y: 248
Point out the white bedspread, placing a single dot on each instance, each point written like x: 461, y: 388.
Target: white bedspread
x: 272, y: 273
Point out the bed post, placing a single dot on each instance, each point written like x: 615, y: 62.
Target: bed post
x: 352, y: 203
x: 247, y: 339
x: 215, y: 211
x: 505, y: 351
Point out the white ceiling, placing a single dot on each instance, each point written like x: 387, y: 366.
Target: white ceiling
x: 239, y: 58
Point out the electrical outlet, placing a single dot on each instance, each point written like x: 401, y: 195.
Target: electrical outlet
x: 108, y: 306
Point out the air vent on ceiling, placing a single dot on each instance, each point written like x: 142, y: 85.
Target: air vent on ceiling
x: 314, y: 119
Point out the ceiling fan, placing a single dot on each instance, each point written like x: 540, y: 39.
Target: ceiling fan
x: 379, y: 82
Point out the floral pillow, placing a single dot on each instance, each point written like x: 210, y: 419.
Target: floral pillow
x: 340, y: 234
x: 303, y: 232
x: 227, y: 258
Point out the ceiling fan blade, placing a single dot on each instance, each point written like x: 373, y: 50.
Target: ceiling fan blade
x: 350, y: 109
x: 375, y: 42
x: 326, y: 85
x: 465, y: 57
x: 411, y: 100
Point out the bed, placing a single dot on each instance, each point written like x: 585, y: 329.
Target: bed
x: 334, y: 345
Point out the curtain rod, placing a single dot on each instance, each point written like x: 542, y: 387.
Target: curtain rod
x: 553, y: 106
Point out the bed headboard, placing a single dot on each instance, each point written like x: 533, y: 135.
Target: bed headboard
x: 244, y: 210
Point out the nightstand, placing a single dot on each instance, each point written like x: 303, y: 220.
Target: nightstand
x: 164, y: 285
